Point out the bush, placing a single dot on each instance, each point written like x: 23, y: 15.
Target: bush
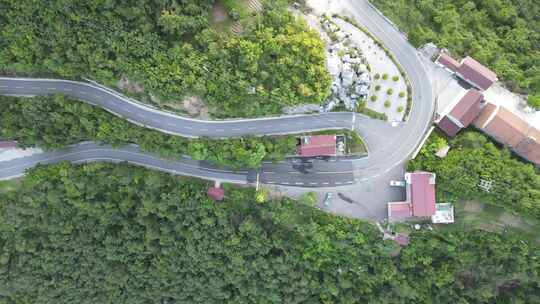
x: 534, y: 102
x: 401, y: 94
x: 395, y: 78
x: 377, y: 88
x: 387, y: 104
x: 377, y: 76
x: 373, y: 98
x: 385, y: 76
x: 400, y: 109
x: 389, y: 91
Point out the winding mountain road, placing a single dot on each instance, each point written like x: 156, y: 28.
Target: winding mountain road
x: 388, y: 146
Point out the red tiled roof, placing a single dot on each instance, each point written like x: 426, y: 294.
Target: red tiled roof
x: 473, y: 71
x: 529, y: 148
x: 448, y: 126
x: 448, y: 61
x: 8, y: 144
x: 468, y: 108
x: 399, y: 210
x: 216, y: 193
x: 318, y: 145
x: 509, y: 129
x: 423, y: 193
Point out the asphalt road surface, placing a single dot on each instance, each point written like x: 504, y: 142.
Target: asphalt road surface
x: 150, y: 117
x: 388, y: 146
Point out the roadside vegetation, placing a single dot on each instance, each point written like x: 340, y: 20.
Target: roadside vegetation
x: 103, y: 233
x: 503, y: 34
x: 55, y: 122
x: 472, y: 158
x: 171, y: 49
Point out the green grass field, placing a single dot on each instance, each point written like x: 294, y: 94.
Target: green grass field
x: 473, y: 215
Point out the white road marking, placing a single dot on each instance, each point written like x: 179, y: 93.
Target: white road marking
x: 52, y: 89
x: 313, y: 183
x: 68, y: 90
x: 285, y: 183
x: 298, y: 183
x: 338, y: 183
x: 326, y: 183
x: 3, y: 86
x: 18, y: 87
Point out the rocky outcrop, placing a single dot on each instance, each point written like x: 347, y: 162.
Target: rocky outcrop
x: 348, y: 68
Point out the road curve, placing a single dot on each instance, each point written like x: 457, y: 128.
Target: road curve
x: 392, y: 146
x: 388, y: 146
x: 150, y: 117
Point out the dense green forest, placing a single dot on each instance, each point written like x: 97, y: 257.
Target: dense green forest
x: 516, y: 185
x: 170, y: 47
x: 102, y: 233
x: 504, y: 34
x: 53, y: 122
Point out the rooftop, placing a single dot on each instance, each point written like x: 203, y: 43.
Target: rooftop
x: 449, y: 62
x: 317, y: 145
x: 422, y: 187
x: 473, y: 71
x: 217, y: 194
x: 509, y: 129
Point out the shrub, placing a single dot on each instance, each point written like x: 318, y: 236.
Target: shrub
x: 377, y: 76
x: 395, y: 78
x: 400, y: 109
x: 389, y: 91
x: 401, y: 94
x: 387, y: 104
x: 373, y: 98
x: 377, y: 88
x: 385, y: 76
x: 534, y: 102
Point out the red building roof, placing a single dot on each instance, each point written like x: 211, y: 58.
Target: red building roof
x: 399, y: 210
x: 8, y: 144
x: 317, y: 145
x: 474, y: 72
x: 448, y: 126
x: 216, y: 193
x: 422, y: 187
x: 449, y: 62
x: 463, y: 114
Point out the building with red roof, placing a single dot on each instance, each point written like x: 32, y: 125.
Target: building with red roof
x: 317, y: 145
x: 8, y: 144
x: 448, y: 62
x: 420, y: 197
x: 215, y: 193
x: 476, y: 74
x: 421, y: 192
x: 469, y: 70
x: 463, y: 113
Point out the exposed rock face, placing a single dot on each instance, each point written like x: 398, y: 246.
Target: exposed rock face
x: 348, y: 68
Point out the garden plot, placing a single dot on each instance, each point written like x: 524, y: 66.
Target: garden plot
x: 388, y: 90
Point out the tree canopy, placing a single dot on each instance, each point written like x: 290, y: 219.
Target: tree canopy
x: 503, y: 34
x: 103, y: 233
x: 516, y: 185
x: 171, y: 49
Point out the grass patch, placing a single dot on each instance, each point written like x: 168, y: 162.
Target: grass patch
x: 475, y: 215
